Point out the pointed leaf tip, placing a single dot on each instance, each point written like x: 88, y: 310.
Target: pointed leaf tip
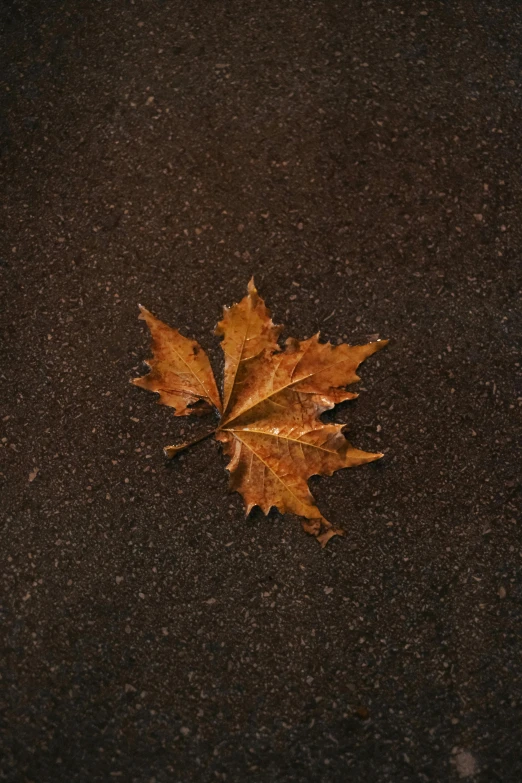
x: 324, y: 538
x: 171, y: 451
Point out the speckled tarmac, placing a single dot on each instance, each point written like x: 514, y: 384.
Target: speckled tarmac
x: 363, y: 161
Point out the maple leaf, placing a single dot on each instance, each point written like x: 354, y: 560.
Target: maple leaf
x: 273, y: 397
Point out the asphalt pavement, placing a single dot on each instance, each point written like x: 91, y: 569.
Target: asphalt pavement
x: 363, y: 161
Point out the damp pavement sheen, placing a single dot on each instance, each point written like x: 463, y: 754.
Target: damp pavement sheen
x: 363, y: 161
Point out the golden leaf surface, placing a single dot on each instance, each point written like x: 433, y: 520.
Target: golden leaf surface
x: 247, y: 330
x: 179, y: 370
x: 273, y: 398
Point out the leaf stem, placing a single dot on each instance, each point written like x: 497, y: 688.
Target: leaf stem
x: 171, y: 451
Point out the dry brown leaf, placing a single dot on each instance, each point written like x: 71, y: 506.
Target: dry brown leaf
x: 273, y: 398
x: 180, y: 370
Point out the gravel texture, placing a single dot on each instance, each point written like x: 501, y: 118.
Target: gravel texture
x: 363, y: 161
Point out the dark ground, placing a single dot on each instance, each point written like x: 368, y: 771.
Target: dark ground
x: 363, y: 160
